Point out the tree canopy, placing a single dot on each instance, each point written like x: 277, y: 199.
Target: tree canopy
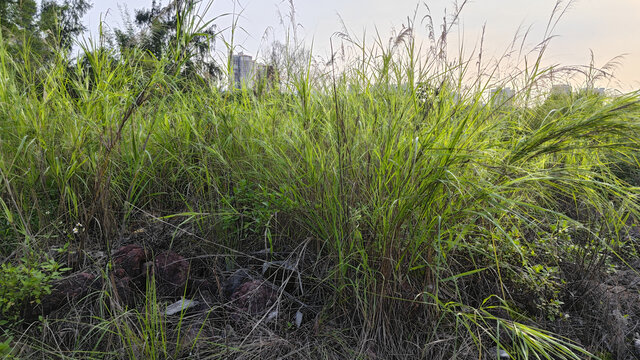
x: 53, y: 24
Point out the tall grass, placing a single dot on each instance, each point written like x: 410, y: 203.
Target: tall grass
x: 425, y: 207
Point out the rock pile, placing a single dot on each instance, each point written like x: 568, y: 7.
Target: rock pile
x: 129, y: 263
x: 134, y: 267
x: 69, y: 289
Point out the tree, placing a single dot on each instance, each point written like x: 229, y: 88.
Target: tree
x: 62, y: 22
x: 18, y: 20
x: 55, y: 24
x: 158, y: 34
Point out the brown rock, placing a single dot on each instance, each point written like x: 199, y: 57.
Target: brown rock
x: 232, y: 284
x: 253, y: 297
x: 202, y: 285
x: 64, y: 291
x: 131, y: 259
x: 125, y: 289
x: 171, y: 274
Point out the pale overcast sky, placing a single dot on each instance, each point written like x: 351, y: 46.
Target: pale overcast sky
x: 608, y: 27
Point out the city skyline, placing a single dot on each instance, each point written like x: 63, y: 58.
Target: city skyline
x: 609, y: 30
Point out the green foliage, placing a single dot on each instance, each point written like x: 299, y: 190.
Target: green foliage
x: 18, y: 15
x: 545, y: 282
x: 251, y: 207
x: 54, y: 24
x: 6, y: 232
x: 423, y: 186
x: 24, y: 284
x: 5, y: 349
x: 158, y: 32
x: 62, y: 23
x: 526, y: 342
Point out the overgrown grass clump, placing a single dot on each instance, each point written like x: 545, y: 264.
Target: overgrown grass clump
x: 437, y: 219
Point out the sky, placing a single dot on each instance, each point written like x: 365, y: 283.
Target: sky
x: 609, y: 28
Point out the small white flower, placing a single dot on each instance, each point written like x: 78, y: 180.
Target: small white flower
x: 47, y: 212
x: 75, y: 230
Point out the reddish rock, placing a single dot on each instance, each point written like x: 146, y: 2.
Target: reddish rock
x: 253, y: 297
x: 120, y: 273
x: 129, y: 273
x: 64, y: 291
x: 171, y: 273
x: 232, y: 284
x: 130, y: 259
x: 201, y: 285
x: 125, y: 289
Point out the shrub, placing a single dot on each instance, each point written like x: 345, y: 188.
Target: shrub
x: 24, y: 284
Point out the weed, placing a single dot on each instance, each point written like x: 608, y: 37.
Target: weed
x: 23, y: 285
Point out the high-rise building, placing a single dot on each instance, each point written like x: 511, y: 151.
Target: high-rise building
x: 243, y: 66
x: 502, y: 96
x: 595, y: 91
x: 561, y: 89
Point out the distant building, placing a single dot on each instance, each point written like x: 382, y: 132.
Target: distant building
x: 502, y: 96
x: 457, y: 98
x: 266, y: 77
x: 594, y: 91
x: 243, y: 67
x: 561, y: 89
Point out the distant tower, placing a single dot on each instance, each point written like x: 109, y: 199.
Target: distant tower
x: 265, y: 77
x: 242, y: 70
x: 502, y: 96
x: 562, y: 89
